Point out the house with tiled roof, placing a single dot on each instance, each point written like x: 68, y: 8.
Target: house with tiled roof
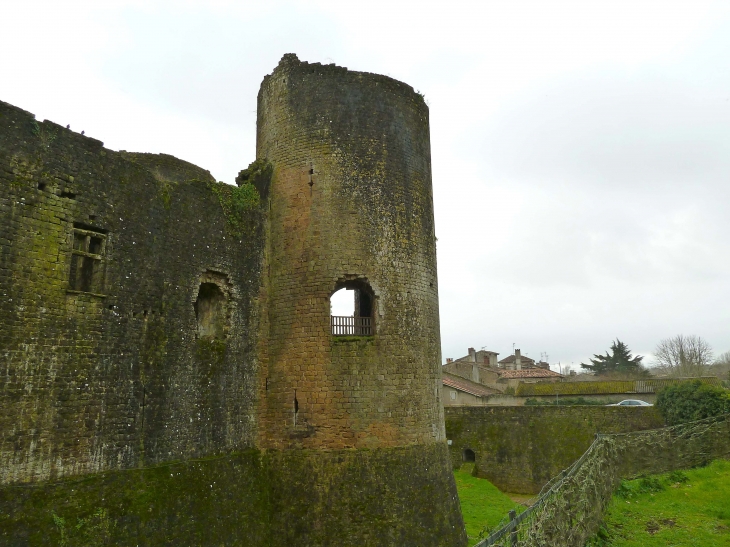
x: 477, y: 366
x: 512, y: 361
x: 482, y: 357
x: 458, y: 391
x: 512, y: 378
x: 517, y: 361
x: 482, y: 367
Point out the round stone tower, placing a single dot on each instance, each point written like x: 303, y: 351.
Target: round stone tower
x: 349, y: 406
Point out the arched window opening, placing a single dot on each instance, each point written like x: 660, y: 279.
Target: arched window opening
x: 352, y: 309
x: 469, y: 455
x: 210, y: 311
x: 342, y: 302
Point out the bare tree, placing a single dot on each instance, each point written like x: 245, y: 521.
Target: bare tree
x: 683, y: 355
x: 721, y: 366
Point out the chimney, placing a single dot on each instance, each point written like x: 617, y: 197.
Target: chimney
x: 449, y: 360
x: 518, y: 360
x: 472, y: 355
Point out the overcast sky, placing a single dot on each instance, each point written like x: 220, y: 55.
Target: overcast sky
x: 581, y: 150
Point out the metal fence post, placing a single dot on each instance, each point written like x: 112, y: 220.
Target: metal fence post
x: 513, y: 534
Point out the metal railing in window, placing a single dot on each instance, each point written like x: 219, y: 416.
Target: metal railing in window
x: 343, y: 325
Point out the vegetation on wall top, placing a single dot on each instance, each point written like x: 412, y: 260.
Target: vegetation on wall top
x: 236, y: 203
x: 566, y: 401
x: 258, y: 173
x: 603, y: 387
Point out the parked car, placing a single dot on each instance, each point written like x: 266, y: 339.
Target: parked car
x: 631, y: 402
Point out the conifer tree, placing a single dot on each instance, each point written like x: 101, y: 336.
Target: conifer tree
x: 618, y: 361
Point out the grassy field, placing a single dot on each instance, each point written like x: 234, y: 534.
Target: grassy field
x: 689, y: 508
x: 481, y: 503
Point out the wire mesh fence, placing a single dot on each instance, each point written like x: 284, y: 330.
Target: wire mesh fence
x: 570, y: 507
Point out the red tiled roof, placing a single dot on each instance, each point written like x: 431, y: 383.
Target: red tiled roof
x: 512, y: 358
x: 483, y: 352
x: 467, y: 386
x: 528, y: 373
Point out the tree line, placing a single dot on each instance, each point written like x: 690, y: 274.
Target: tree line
x: 678, y: 356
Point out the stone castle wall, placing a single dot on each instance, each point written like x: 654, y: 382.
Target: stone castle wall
x: 520, y: 448
x: 168, y: 368
x: 114, y: 375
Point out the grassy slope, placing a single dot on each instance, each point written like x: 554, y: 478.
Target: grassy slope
x: 660, y: 512
x: 481, y: 503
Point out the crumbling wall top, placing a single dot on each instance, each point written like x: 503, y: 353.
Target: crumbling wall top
x: 291, y: 64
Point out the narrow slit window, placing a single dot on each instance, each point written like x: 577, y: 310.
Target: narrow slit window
x: 87, y: 260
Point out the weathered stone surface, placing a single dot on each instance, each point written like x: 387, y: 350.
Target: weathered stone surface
x: 351, y: 203
x: 368, y: 216
x: 168, y: 370
x: 520, y: 448
x: 220, y: 500
x: 115, y: 377
x: 244, y: 499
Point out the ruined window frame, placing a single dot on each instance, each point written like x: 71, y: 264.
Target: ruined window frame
x: 86, y: 270
x: 213, y: 323
x: 222, y: 282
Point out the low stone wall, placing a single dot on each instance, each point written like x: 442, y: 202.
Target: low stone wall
x: 511, y: 400
x: 521, y: 448
x: 598, y: 398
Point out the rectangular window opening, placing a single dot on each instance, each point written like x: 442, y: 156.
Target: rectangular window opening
x: 87, y: 260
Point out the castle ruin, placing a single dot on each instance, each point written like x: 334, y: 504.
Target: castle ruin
x: 171, y: 371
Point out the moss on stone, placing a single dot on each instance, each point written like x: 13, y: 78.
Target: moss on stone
x: 46, y: 133
x: 165, y: 192
x: 520, y: 448
x: 352, y: 339
x: 258, y: 173
x: 368, y: 498
x: 211, y: 350
x: 236, y: 203
x: 211, y: 354
x: 212, y: 501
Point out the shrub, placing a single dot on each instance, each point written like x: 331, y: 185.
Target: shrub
x: 676, y: 477
x: 650, y: 484
x: 624, y: 490
x: 690, y: 401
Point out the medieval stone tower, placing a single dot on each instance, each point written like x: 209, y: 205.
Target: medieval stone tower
x: 351, y: 206
x: 172, y: 371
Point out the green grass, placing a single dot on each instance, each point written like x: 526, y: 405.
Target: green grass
x: 482, y: 505
x: 683, y: 508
